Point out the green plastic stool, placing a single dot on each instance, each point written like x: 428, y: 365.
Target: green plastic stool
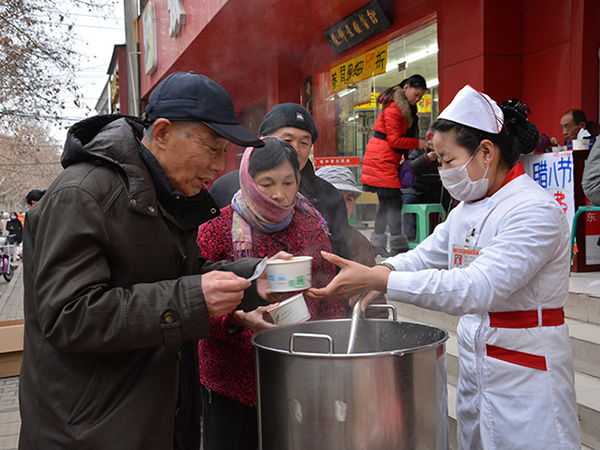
x: 579, y: 211
x: 422, y: 211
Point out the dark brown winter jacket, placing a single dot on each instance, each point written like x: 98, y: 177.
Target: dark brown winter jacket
x: 113, y: 304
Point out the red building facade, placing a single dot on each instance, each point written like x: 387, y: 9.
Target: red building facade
x: 264, y: 52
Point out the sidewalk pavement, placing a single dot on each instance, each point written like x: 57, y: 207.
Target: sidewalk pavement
x: 11, y: 307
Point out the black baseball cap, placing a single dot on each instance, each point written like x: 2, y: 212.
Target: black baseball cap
x: 194, y: 97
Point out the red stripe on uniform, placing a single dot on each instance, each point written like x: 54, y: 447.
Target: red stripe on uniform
x: 516, y: 357
x: 527, y: 319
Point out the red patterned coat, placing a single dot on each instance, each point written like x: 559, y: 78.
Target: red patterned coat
x: 227, y: 360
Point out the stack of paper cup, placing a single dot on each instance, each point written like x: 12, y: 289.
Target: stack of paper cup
x: 292, y: 310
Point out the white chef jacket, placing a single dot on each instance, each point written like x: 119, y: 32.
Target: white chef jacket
x: 524, y: 255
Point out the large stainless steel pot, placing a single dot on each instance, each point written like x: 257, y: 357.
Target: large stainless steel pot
x: 388, y: 395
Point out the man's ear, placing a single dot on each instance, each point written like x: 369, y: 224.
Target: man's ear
x: 160, y: 131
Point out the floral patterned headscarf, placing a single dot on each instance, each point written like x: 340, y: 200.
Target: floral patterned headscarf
x: 253, y: 209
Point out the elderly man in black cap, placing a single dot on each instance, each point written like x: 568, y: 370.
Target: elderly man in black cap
x: 115, y: 295
x: 294, y: 124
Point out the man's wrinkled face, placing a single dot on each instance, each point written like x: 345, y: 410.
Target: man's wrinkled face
x: 191, y: 155
x: 301, y: 140
x: 569, y: 127
x: 350, y: 200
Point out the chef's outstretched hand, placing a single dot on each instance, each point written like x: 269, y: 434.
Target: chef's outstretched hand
x: 353, y: 279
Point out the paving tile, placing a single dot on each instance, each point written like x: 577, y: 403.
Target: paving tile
x: 10, y: 417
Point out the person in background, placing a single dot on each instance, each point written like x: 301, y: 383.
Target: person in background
x: 115, y: 293
x: 574, y: 126
x: 590, y: 180
x: 362, y: 250
x: 428, y: 187
x: 396, y: 133
x: 4, y: 221
x: 14, y: 229
x: 295, y: 125
x: 501, y: 261
x: 33, y: 197
x: 266, y: 216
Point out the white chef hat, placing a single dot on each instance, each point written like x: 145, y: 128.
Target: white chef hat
x: 474, y: 109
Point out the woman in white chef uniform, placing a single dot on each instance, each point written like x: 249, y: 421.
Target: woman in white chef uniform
x: 501, y: 261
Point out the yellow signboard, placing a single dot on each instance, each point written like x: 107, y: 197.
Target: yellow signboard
x: 424, y: 106
x: 367, y: 105
x: 359, y: 68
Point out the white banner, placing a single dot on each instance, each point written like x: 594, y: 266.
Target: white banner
x: 555, y: 173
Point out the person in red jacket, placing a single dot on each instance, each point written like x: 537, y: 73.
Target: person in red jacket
x: 396, y: 133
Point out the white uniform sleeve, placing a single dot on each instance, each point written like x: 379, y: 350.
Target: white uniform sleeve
x: 432, y: 253
x: 527, y: 238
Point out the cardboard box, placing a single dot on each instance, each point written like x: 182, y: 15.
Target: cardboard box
x: 11, y: 347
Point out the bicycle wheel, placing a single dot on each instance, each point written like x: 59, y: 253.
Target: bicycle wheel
x: 9, y: 275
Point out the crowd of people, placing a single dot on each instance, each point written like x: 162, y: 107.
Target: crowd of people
x: 138, y: 306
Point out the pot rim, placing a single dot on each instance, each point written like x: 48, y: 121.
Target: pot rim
x: 398, y: 352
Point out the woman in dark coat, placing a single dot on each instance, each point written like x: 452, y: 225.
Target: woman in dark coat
x: 14, y: 228
x: 265, y: 217
x: 396, y: 133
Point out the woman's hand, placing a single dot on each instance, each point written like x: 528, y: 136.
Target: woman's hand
x: 430, y: 157
x: 253, y: 320
x: 262, y: 282
x: 423, y: 144
x: 353, y: 279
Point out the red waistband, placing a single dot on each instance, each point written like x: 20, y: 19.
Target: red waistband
x: 527, y: 319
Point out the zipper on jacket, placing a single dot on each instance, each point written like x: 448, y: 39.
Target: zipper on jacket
x: 479, y: 349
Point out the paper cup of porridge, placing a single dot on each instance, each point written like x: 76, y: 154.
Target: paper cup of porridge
x: 287, y: 275
x: 292, y: 310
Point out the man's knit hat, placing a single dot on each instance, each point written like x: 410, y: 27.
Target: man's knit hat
x: 288, y: 115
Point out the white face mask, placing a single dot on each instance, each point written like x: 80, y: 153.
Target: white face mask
x: 460, y: 186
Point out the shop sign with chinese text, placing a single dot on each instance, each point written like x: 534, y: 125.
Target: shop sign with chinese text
x: 357, y: 27
x: 424, y: 105
x: 344, y: 161
x: 359, y: 68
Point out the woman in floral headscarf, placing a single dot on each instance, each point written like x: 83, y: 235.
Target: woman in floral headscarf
x: 266, y: 216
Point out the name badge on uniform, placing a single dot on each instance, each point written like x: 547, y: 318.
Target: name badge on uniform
x: 463, y: 256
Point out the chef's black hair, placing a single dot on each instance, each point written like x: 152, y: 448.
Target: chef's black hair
x: 274, y: 153
x: 518, y: 135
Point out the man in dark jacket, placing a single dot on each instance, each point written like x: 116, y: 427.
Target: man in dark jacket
x: 294, y: 124
x: 115, y: 295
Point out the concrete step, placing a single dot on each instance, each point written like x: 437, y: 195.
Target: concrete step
x: 585, y: 342
x: 583, y: 307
